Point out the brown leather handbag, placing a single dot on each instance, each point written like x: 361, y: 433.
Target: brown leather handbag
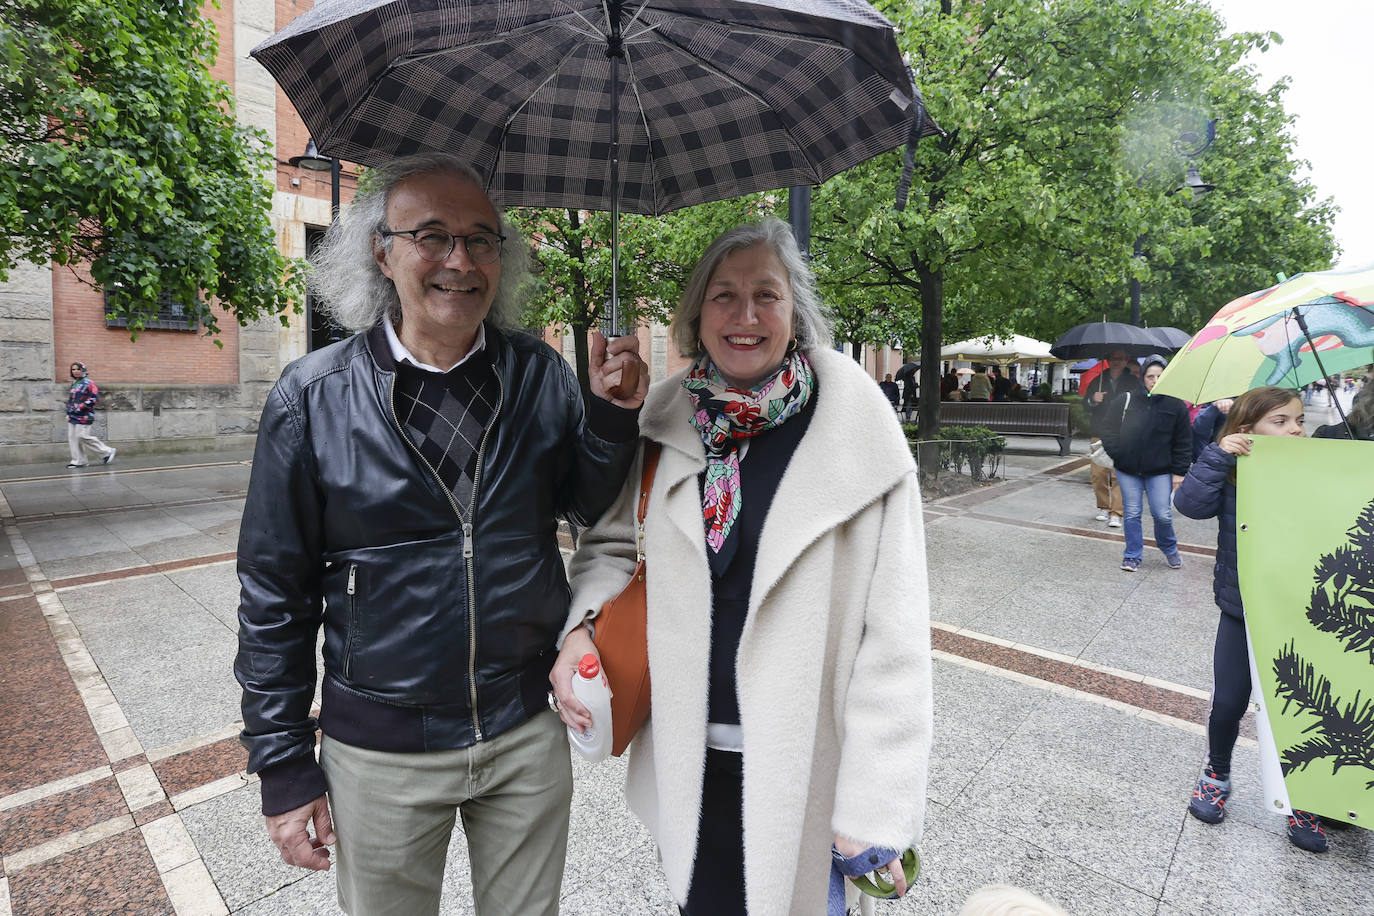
x: 621, y: 634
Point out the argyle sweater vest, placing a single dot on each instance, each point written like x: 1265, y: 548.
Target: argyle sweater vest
x: 445, y: 415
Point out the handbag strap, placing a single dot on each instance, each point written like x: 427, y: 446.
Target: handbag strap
x: 652, y: 450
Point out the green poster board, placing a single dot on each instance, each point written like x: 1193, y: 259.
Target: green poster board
x: 1305, y: 538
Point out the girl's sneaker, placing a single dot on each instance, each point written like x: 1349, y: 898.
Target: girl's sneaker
x: 1209, y: 798
x: 1305, y: 831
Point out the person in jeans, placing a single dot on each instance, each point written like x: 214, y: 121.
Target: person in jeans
x: 81, y: 401
x: 1151, y: 444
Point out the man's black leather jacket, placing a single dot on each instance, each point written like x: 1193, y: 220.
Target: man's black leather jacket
x: 437, y: 634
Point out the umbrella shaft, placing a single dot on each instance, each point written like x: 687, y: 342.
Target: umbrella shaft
x: 615, y: 185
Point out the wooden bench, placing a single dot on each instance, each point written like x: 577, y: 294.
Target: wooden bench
x: 1018, y: 418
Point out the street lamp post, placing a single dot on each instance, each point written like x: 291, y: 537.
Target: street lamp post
x: 1188, y: 146
x: 312, y: 159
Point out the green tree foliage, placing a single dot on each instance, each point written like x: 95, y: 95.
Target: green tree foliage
x: 1059, y: 120
x: 572, y: 262
x: 118, y: 149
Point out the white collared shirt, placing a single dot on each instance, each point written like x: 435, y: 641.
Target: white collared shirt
x: 400, y: 354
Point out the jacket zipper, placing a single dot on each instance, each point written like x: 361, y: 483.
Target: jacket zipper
x: 470, y: 561
x: 467, y: 529
x: 352, y: 631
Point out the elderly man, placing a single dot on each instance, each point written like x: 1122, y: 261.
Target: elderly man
x: 404, y: 495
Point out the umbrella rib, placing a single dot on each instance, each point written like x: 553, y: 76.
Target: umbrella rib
x: 648, y: 131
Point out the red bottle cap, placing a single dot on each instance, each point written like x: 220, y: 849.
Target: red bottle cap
x: 589, y: 667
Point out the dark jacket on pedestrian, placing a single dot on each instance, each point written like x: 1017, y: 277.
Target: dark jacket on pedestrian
x: 439, y: 629
x: 1207, y: 492
x: 1205, y: 428
x: 1110, y: 387
x: 1147, y: 434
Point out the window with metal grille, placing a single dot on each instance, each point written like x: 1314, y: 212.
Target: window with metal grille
x: 171, y: 315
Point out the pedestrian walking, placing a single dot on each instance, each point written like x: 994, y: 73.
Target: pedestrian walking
x: 1208, y: 491
x: 1101, y: 390
x: 789, y: 653
x: 81, y: 439
x: 410, y: 478
x: 1151, y: 445
x: 910, y: 397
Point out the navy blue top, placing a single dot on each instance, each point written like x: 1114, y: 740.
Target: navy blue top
x: 732, y: 569
x: 1205, y: 493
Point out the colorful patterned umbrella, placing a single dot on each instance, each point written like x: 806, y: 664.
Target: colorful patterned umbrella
x: 1258, y: 339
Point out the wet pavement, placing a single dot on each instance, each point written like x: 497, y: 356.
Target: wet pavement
x: 1069, y: 702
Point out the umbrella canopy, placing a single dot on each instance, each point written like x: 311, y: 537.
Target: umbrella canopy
x: 1013, y: 349
x: 1171, y: 340
x: 715, y: 98
x: 1258, y: 339
x: 906, y: 371
x: 1098, y: 338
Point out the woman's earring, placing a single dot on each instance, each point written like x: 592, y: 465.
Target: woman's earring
x: 792, y: 347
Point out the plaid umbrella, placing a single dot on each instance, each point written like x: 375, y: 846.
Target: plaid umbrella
x: 712, y: 98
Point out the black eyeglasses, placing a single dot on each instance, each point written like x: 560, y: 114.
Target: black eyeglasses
x: 437, y: 245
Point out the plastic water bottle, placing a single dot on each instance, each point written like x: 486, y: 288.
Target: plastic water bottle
x: 590, y: 687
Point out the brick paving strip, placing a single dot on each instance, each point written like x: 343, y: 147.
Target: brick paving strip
x: 86, y: 826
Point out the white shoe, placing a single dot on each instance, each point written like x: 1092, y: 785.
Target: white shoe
x: 1114, y: 522
x: 1102, y: 516
x: 110, y: 457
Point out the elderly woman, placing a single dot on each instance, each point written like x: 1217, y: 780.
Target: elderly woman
x: 788, y: 638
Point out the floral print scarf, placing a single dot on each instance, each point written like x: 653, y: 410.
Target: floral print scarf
x: 726, y: 416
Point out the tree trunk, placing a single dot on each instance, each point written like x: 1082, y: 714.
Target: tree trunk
x: 856, y: 350
x: 932, y: 338
x: 580, y: 331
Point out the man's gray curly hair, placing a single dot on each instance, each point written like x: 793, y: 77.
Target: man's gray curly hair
x: 810, y: 325
x: 353, y: 291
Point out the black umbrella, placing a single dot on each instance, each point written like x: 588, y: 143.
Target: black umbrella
x: 1098, y: 338
x: 905, y: 372
x: 1171, y: 340
x: 553, y: 103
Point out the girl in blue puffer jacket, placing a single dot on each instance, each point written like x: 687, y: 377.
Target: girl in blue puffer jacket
x: 1210, y: 490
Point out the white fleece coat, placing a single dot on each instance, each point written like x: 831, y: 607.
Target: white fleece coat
x: 833, y: 670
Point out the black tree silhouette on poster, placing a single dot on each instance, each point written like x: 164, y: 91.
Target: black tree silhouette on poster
x: 1342, y: 604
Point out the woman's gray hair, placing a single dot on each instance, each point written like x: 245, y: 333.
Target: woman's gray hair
x: 810, y: 325
x: 353, y: 291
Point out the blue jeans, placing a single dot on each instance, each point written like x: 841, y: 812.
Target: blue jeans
x: 1159, y: 489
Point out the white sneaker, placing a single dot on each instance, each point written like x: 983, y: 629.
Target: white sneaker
x: 110, y: 457
x: 1114, y: 522
x: 1102, y: 516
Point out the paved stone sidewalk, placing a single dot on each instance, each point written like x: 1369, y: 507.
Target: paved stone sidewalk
x: 1069, y: 697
